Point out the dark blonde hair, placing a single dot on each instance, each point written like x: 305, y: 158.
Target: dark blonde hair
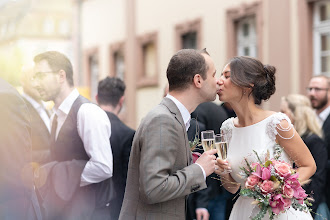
x: 305, y: 119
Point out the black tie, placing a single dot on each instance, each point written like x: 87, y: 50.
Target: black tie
x: 54, y: 127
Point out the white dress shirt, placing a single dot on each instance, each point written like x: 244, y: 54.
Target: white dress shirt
x: 94, y: 129
x: 323, y: 115
x: 40, y: 108
x: 183, y: 110
x: 186, y: 119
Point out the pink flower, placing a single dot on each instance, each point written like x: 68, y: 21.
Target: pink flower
x: 277, y: 204
x: 262, y: 172
x: 282, y: 168
x: 286, y: 202
x: 265, y: 173
x: 254, y: 165
x: 251, y: 181
x: 300, y: 194
x: 267, y: 186
x: 288, y: 191
x: 258, y: 172
x: 293, y: 181
x: 195, y: 156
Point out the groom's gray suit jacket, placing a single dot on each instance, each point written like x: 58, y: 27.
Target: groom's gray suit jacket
x: 160, y: 171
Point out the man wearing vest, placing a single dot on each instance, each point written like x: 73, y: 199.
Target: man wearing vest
x: 80, y: 151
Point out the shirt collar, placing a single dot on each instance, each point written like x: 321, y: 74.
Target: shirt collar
x: 183, y: 110
x: 68, y: 102
x: 324, y: 114
x: 33, y: 102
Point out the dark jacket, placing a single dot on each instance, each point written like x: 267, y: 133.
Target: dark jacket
x: 17, y: 196
x: 317, y: 185
x: 40, y: 135
x: 121, y: 143
x: 326, y: 131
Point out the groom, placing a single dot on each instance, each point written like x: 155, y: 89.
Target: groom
x: 160, y: 171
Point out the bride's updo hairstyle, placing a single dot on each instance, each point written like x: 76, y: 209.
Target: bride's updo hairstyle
x: 249, y: 72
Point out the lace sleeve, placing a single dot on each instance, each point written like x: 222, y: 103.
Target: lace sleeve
x: 226, y: 128
x: 274, y: 124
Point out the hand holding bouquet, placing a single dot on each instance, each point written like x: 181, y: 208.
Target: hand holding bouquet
x: 275, y: 187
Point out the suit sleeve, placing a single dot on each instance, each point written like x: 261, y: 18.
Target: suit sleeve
x: 160, y: 148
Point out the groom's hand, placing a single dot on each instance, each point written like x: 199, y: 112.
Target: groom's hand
x: 207, y: 161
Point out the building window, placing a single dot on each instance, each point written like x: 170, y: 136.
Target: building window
x: 92, y: 70
x: 94, y: 74
x: 189, y: 40
x: 188, y: 35
x: 246, y: 37
x: 148, y: 62
x: 244, y: 25
x: 119, y: 64
x: 117, y: 60
x: 322, y: 38
x: 49, y: 25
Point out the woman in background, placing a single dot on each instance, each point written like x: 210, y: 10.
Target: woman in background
x: 298, y: 109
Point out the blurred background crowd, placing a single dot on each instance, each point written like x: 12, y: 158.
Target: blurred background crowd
x: 133, y: 41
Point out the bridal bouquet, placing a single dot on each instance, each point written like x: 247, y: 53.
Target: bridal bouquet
x: 274, y: 186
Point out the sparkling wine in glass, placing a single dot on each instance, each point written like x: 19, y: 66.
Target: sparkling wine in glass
x: 208, y: 140
x: 221, y: 146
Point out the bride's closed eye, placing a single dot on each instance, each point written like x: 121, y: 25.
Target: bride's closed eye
x: 225, y: 74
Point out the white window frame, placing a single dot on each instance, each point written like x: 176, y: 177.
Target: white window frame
x: 249, y: 41
x: 320, y: 28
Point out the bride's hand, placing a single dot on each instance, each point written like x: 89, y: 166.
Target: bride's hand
x: 222, y: 166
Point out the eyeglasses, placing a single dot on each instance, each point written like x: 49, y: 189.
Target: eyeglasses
x: 38, y: 76
x: 309, y: 89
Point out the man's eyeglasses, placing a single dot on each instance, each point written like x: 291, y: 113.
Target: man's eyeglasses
x: 40, y: 75
x: 309, y: 89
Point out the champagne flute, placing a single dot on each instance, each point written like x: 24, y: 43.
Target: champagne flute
x: 221, y: 144
x: 208, y: 140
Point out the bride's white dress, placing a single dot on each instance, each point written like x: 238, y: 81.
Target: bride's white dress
x: 259, y: 137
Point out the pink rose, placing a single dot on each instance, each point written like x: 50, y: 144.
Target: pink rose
x: 251, y: 181
x: 282, y: 168
x: 288, y: 191
x: 267, y: 186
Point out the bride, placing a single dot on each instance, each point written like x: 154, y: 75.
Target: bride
x: 244, y: 83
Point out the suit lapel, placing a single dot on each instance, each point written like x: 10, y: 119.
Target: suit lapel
x: 175, y: 111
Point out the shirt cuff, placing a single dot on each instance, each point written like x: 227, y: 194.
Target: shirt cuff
x: 204, y: 174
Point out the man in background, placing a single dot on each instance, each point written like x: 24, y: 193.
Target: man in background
x: 40, y: 118
x: 18, y: 199
x: 110, y: 97
x: 319, y: 93
x: 80, y: 149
